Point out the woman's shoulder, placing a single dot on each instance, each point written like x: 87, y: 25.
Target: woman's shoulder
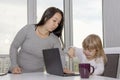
x: 27, y: 28
x: 30, y: 26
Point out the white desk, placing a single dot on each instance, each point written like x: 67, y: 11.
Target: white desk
x: 44, y: 76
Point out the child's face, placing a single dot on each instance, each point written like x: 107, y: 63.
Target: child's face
x: 90, y: 54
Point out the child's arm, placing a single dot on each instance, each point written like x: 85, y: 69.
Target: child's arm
x: 71, y: 52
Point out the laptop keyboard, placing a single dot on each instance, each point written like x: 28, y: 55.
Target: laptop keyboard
x: 71, y: 74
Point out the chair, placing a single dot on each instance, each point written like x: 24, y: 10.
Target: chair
x: 111, y: 67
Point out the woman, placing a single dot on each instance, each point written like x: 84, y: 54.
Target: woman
x: 26, y: 48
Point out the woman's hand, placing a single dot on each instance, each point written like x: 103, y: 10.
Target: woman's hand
x: 67, y: 71
x: 71, y: 52
x: 17, y: 70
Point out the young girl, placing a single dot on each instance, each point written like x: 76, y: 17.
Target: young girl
x: 92, y: 53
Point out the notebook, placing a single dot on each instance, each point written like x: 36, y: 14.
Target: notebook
x: 53, y: 62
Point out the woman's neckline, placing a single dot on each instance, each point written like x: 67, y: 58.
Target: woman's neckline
x: 40, y: 34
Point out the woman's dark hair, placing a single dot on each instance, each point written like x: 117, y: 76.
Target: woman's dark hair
x: 47, y: 15
x: 50, y: 12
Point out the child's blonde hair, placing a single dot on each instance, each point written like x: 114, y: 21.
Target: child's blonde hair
x: 93, y: 41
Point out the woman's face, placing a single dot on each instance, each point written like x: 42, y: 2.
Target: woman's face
x: 90, y: 54
x: 53, y: 22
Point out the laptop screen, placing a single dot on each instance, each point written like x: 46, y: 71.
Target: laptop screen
x: 52, y: 61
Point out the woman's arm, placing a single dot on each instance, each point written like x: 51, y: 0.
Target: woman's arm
x: 57, y: 44
x: 62, y: 53
x: 17, y: 42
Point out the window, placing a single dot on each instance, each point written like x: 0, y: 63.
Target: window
x: 13, y: 16
x: 43, y: 5
x: 87, y: 19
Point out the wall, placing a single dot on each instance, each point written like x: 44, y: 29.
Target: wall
x: 111, y: 24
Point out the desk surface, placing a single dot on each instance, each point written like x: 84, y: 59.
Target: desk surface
x: 45, y: 76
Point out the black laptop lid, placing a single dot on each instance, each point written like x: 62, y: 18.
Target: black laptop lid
x: 52, y: 61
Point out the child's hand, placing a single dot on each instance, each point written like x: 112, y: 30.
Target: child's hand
x: 71, y: 52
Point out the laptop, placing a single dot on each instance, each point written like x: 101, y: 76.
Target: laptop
x: 53, y: 64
